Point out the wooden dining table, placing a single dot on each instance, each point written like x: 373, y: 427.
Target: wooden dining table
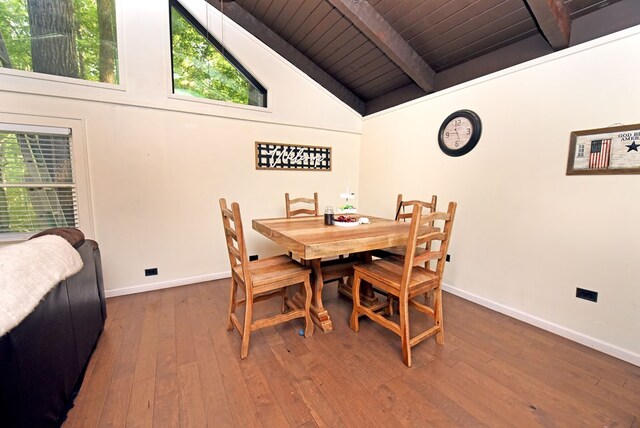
x: 311, y: 240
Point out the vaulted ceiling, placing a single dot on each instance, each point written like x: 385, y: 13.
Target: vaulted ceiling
x: 376, y: 54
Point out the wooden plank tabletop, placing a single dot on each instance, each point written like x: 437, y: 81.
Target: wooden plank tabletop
x: 309, y: 238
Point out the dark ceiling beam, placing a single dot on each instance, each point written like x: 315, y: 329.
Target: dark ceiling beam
x: 553, y: 20
x: 379, y: 31
x: 290, y: 53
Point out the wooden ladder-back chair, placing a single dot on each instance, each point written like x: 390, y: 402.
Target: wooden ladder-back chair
x: 402, y: 214
x: 301, y: 211
x: 408, y: 278
x: 260, y: 280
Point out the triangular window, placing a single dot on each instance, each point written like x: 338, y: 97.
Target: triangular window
x: 203, y: 68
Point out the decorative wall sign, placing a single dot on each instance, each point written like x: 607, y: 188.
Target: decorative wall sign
x: 611, y: 150
x: 293, y: 157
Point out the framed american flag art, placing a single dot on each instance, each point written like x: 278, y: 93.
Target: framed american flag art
x: 613, y: 150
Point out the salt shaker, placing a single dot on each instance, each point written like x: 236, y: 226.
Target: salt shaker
x: 328, y: 216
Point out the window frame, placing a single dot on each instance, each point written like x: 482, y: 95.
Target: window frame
x: 79, y: 164
x: 77, y: 80
x: 224, y: 51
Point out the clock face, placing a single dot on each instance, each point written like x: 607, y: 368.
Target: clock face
x: 459, y: 133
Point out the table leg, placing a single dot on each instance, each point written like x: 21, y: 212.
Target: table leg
x: 319, y: 313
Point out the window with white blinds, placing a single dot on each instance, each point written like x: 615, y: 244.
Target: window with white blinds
x: 37, y: 184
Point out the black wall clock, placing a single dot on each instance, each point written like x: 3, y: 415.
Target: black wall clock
x: 459, y: 132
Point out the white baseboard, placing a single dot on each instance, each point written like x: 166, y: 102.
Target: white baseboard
x: 581, y: 338
x: 166, y: 284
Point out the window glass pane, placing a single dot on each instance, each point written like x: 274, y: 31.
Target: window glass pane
x: 71, y: 38
x: 202, y: 70
x: 37, y: 187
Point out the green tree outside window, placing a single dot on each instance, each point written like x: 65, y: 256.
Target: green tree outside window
x: 202, y: 70
x: 71, y: 38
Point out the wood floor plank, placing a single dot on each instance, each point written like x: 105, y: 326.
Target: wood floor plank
x: 185, y: 344
x: 88, y: 406
x: 441, y: 386
x: 166, y: 359
x: 292, y: 404
x: 335, y: 392
x: 142, y: 402
x: 192, y: 412
x: 534, y: 392
x: 598, y: 364
x: 146, y: 360
x: 116, y: 405
x: 132, y: 324
x: 319, y: 406
x: 571, y: 388
x: 166, y: 409
x: 216, y: 406
x: 576, y: 379
x: 227, y: 349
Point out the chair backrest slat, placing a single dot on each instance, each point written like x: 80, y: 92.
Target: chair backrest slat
x: 442, y: 235
x: 288, y: 202
x: 231, y: 232
x: 402, y: 206
x: 429, y: 237
x: 232, y: 223
x: 428, y: 256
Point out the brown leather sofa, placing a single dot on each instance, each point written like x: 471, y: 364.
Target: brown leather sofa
x: 42, y: 359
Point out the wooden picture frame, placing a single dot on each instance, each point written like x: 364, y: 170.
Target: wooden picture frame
x: 613, y: 150
x: 292, y: 157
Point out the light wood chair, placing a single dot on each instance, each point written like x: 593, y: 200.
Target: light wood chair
x: 260, y: 280
x: 408, y: 278
x: 301, y: 211
x: 404, y: 212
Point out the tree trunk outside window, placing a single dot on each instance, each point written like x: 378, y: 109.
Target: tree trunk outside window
x: 106, y: 26
x: 53, y: 44
x: 5, y: 60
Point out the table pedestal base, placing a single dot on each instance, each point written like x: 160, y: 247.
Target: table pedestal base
x: 367, y: 296
x: 320, y: 317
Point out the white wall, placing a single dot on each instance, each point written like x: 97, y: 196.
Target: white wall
x: 526, y: 235
x: 158, y: 163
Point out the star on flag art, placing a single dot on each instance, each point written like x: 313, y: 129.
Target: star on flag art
x: 611, y: 150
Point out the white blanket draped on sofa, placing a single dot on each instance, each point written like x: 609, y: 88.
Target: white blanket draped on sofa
x: 28, y: 271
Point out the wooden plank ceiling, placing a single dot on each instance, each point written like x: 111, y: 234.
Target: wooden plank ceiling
x: 376, y: 54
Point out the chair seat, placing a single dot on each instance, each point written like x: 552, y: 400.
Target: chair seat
x: 273, y: 272
x: 387, y: 274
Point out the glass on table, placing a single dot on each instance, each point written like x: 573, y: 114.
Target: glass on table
x: 328, y: 216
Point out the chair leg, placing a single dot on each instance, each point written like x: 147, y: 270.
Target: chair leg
x: 246, y: 328
x: 390, y: 302
x: 308, y: 324
x: 403, y: 310
x: 232, y: 302
x: 355, y: 292
x: 437, y: 307
x: 283, y: 308
x: 428, y: 297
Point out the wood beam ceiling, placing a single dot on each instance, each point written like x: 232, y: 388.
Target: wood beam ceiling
x: 290, y: 53
x: 388, y: 40
x: 553, y: 20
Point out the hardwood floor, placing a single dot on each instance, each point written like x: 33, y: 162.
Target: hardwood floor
x: 165, y: 359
